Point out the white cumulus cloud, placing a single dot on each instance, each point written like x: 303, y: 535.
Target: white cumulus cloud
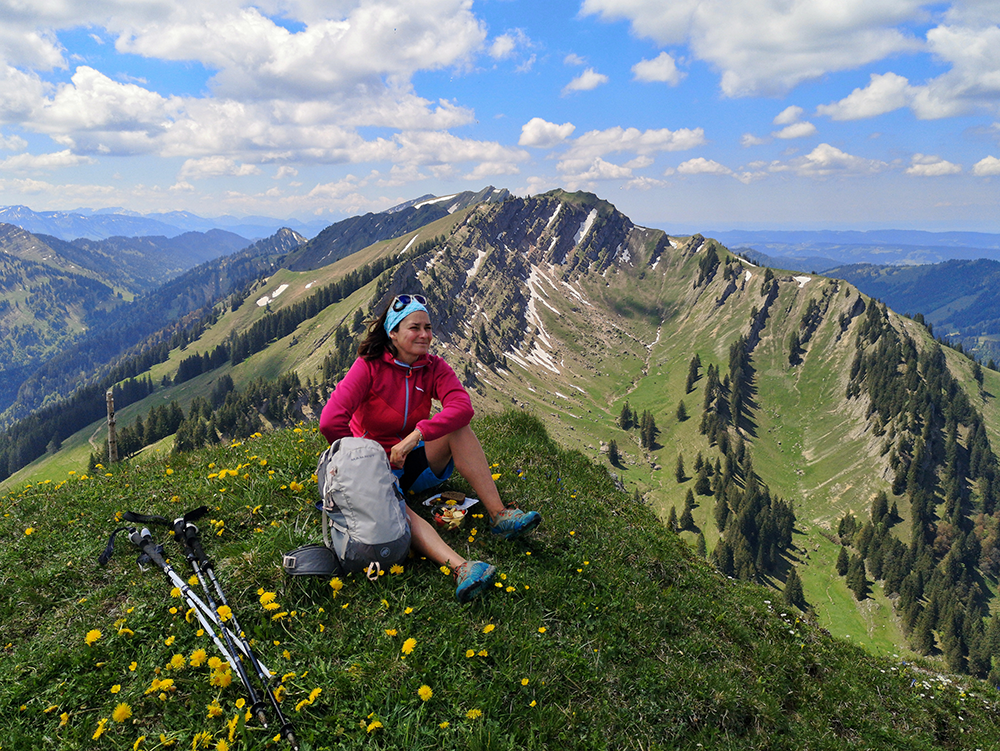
x: 34, y: 162
x: 795, y: 130
x: 827, y: 160
x: 542, y: 134
x: 789, y: 115
x: 986, y: 166
x: 884, y: 93
x: 770, y: 46
x: 596, y: 143
x: 661, y: 69
x: 214, y: 166
x: 924, y: 165
x: 702, y: 166
x: 588, y: 80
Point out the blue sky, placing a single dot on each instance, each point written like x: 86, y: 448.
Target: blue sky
x: 688, y: 115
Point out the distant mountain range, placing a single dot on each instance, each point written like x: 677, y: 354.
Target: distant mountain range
x: 104, y: 223
x: 817, y: 251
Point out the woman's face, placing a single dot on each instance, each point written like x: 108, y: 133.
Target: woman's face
x: 412, y: 338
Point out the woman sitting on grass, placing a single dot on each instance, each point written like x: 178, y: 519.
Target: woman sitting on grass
x: 386, y: 396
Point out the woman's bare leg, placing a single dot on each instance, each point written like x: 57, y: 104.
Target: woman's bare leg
x: 463, y: 446
x: 426, y: 541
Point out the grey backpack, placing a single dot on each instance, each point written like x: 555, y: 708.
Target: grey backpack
x: 365, y: 526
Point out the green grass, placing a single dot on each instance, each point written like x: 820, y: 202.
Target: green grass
x: 605, y: 631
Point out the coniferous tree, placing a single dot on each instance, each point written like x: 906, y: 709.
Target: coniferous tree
x: 721, y: 513
x: 682, y: 413
x: 672, y: 519
x: 702, y: 485
x: 625, y: 418
x: 613, y: 452
x: 679, y: 470
x: 857, y: 580
x: 692, y: 376
x: 842, y: 562
x: 700, y: 548
x: 793, y: 594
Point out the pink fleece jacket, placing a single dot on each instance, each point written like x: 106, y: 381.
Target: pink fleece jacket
x: 386, y: 399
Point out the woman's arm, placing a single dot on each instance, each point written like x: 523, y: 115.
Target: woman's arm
x: 456, y: 406
x: 347, y: 397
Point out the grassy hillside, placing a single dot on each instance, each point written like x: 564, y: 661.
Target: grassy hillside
x: 605, y: 631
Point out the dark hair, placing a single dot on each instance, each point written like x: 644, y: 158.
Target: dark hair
x: 376, y: 340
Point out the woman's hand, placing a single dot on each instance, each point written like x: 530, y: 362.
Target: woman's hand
x: 399, y: 452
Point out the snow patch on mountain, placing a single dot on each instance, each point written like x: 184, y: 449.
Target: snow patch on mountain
x: 554, y: 215
x: 585, y: 226
x: 476, y: 264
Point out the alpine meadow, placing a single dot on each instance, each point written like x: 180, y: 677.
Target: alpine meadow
x: 771, y: 503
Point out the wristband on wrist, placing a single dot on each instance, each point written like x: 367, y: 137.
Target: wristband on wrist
x: 421, y: 435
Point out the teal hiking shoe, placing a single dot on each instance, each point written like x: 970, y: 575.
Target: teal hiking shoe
x: 472, y: 579
x: 511, y: 523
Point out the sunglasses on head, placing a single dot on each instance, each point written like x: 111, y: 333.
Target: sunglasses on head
x: 402, y: 301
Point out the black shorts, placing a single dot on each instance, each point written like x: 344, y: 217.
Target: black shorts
x: 417, y: 475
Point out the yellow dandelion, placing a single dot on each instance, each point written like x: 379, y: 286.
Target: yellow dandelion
x: 279, y: 616
x: 496, y: 476
x: 272, y: 606
x: 541, y: 629
x: 474, y: 714
x: 214, y: 662
x: 390, y: 632
x: 470, y: 653
x: 100, y: 728
x: 533, y: 703
x: 375, y: 725
x: 175, y: 592
x: 122, y: 712
x: 138, y: 742
x: 445, y: 570
x: 177, y: 662
x: 170, y: 640
x: 395, y: 569
x: 222, y: 745
x: 225, y: 613
x: 425, y: 692
x: 167, y: 742
x: 114, y: 689
x: 63, y: 719
x: 268, y: 597
x: 444, y: 725
x: 488, y: 627
x: 524, y: 681
x: 408, y: 645
x: 221, y: 678
x: 483, y: 653
x: 336, y: 585
x: 314, y: 694
x: 214, y: 710
x: 198, y: 658
x: 92, y: 636
x: 29, y: 530
x: 407, y: 611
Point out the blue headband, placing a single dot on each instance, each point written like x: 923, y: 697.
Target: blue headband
x: 394, y: 317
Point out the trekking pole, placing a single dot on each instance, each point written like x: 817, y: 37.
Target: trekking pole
x: 144, y: 541
x: 207, y: 618
x: 240, y: 644
x: 187, y: 534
